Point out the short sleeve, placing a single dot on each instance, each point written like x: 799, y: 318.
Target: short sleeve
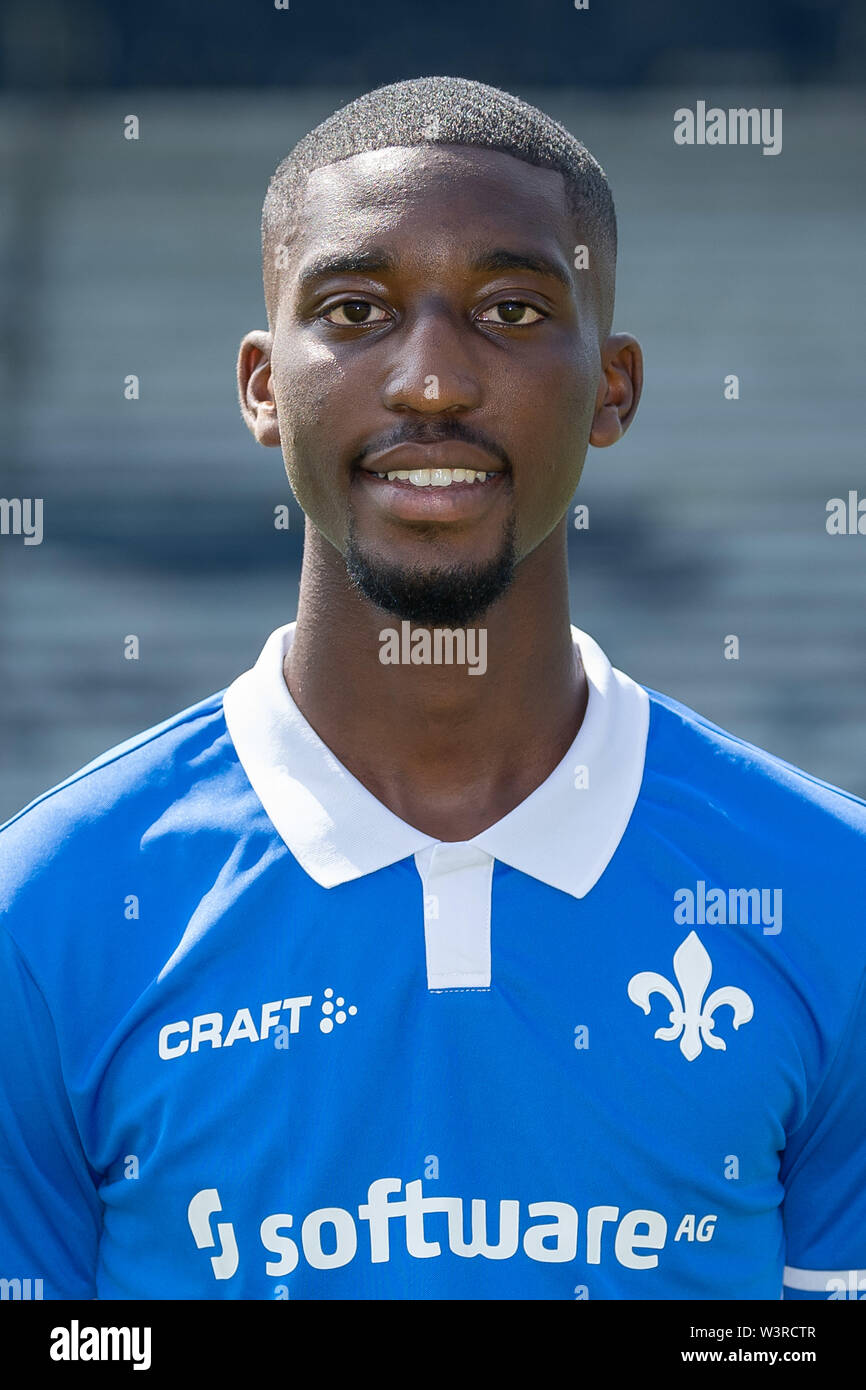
x: 50, y: 1212
x: 824, y: 1174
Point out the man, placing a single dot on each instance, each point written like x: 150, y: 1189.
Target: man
x: 436, y: 958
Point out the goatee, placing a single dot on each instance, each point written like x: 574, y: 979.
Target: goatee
x: 435, y: 597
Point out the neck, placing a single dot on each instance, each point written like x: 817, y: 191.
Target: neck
x: 447, y: 751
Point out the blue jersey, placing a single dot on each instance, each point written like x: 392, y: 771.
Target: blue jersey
x: 262, y: 1039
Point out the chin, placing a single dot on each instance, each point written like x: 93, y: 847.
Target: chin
x: 443, y: 597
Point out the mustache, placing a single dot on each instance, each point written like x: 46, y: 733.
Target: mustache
x: 421, y: 432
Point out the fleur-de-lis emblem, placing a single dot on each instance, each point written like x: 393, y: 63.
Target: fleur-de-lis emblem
x: 690, y: 1016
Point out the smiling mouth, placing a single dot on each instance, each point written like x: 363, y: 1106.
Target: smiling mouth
x: 445, y: 463
x: 436, y: 477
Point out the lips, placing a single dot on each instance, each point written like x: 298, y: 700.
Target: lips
x: 435, y: 477
x: 426, y: 494
x: 447, y: 454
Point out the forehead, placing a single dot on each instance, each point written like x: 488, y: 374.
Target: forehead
x: 453, y: 194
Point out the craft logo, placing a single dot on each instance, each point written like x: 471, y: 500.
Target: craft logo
x: 209, y: 1030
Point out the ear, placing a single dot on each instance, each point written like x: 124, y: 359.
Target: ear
x: 254, y: 388
x: 618, y: 390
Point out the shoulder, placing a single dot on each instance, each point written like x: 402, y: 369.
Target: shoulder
x: 123, y: 773
x: 84, y: 837
x: 698, y: 759
x: 782, y: 850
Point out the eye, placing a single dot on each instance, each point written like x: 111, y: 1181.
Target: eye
x: 512, y: 311
x: 356, y: 311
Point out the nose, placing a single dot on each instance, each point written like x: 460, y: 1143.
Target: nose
x: 433, y: 370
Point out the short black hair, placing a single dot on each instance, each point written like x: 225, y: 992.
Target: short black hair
x: 443, y: 111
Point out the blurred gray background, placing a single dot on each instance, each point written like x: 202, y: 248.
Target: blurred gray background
x: 708, y: 519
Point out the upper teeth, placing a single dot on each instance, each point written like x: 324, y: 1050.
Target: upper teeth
x: 436, y: 477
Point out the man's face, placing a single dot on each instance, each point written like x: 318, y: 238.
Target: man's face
x: 430, y: 318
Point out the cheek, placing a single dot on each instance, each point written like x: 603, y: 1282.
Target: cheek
x: 576, y: 384
x: 552, y: 437
x: 306, y: 389
x: 554, y: 426
x: 307, y: 392
x: 306, y: 399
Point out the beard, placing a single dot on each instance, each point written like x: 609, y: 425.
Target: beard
x: 436, y: 597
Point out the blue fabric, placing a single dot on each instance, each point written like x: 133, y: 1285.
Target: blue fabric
x: 540, y: 1141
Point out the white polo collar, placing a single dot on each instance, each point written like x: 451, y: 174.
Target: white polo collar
x: 563, y: 834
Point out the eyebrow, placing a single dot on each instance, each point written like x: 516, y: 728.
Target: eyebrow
x: 375, y: 261
x: 502, y: 259
x: 378, y: 261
